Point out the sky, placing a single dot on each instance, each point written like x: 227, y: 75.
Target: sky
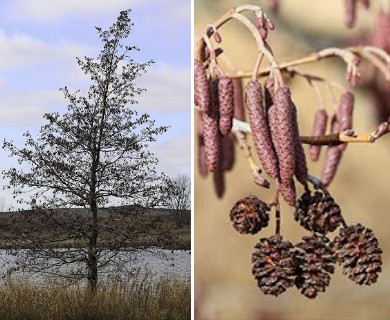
x: 39, y: 43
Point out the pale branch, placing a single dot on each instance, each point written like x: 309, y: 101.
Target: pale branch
x: 330, y: 139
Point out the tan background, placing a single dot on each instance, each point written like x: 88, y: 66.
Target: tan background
x: 225, y: 288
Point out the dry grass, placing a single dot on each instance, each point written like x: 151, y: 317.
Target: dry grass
x: 143, y: 298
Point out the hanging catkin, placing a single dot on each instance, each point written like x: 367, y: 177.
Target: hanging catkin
x: 226, y: 104
x: 201, y: 87
x: 285, y: 139
x: 333, y: 157
x: 210, y: 129
x: 319, y: 129
x: 260, y: 130
x: 301, y: 171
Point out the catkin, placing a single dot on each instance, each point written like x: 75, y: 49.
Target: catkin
x: 345, y: 111
x: 319, y: 129
x: 287, y: 188
x: 350, y: 12
x: 201, y: 149
x: 210, y: 129
x: 301, y: 171
x: 201, y: 87
x: 226, y: 104
x: 227, y: 155
x: 260, y: 130
x: 285, y: 139
x: 239, y: 110
x: 333, y: 157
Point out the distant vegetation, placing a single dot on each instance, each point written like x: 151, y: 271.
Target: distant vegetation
x: 14, y: 226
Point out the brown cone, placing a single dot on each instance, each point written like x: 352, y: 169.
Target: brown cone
x: 315, y: 262
x: 249, y: 215
x: 358, y: 251
x: 318, y: 212
x: 273, y: 265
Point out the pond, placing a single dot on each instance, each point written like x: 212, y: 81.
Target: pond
x: 176, y: 263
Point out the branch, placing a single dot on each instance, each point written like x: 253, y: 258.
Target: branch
x: 330, y: 139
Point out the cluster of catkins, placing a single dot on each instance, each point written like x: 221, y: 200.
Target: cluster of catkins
x: 277, y: 264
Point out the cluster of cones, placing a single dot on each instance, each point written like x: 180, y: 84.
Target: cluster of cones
x: 277, y: 264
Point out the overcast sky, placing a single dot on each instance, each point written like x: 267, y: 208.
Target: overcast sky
x: 39, y: 40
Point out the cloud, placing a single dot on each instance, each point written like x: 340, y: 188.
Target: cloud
x: 28, y: 108
x: 174, y: 155
x: 43, y: 11
x: 21, y: 50
x: 168, y: 88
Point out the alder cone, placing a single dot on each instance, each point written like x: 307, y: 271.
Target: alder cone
x: 249, y: 215
x: 201, y: 87
x: 319, y: 129
x: 226, y: 104
x: 315, y: 265
x: 318, y: 212
x: 273, y: 265
x: 358, y: 251
x: 260, y: 129
x: 285, y: 136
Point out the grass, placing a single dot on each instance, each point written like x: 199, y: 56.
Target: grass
x: 143, y: 298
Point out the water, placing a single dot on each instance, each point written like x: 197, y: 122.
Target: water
x: 177, y: 263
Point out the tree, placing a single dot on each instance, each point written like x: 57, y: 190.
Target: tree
x: 91, y: 157
x: 178, y: 197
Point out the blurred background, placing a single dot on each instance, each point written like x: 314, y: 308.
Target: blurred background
x: 224, y: 286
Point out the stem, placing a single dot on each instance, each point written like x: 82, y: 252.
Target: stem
x: 277, y: 212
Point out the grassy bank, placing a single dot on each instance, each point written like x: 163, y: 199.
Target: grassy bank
x: 143, y: 298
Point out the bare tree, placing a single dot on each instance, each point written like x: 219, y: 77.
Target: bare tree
x: 91, y: 157
x: 178, y: 197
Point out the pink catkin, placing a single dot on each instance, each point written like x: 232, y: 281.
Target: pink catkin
x: 201, y: 87
x: 285, y: 146
x: 202, y: 166
x: 218, y: 174
x: 226, y: 104
x: 333, y: 157
x: 301, y: 171
x: 227, y: 152
x: 350, y: 13
x: 210, y: 129
x: 260, y: 130
x: 344, y: 114
x: 319, y: 129
x: 239, y: 110
x: 288, y: 192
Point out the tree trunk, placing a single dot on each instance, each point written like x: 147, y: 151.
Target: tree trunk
x: 93, y: 235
